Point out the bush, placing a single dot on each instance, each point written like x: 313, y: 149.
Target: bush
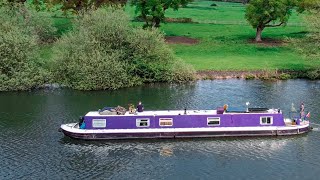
x: 42, y: 25
x: 284, y: 76
x: 313, y: 74
x: 310, y: 45
x: 82, y: 63
x: 39, y: 24
x: 150, y: 56
x: 19, y: 67
x: 182, y: 72
x: 105, y: 52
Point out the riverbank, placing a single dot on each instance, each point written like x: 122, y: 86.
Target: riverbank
x: 264, y: 75
x: 257, y: 74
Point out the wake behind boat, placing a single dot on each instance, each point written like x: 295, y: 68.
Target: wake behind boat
x: 121, y: 124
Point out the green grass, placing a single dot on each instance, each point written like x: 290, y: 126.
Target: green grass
x: 224, y: 38
x: 227, y: 47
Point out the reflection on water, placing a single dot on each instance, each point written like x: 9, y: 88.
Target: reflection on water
x: 32, y: 148
x: 166, y: 151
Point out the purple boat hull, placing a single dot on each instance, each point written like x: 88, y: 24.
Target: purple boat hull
x: 193, y: 134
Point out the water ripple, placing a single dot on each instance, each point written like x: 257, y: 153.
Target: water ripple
x: 32, y: 148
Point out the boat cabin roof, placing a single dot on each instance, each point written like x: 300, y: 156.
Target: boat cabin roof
x: 160, y: 113
x: 182, y: 112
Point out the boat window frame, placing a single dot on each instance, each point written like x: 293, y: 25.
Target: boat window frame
x: 266, y: 123
x: 93, y: 120
x: 138, y: 121
x: 215, y: 119
x: 166, y: 120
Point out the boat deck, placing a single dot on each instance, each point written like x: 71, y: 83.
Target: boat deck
x: 160, y: 113
x: 177, y: 112
x: 288, y: 123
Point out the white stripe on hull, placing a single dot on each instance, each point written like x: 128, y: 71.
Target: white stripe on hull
x: 69, y: 128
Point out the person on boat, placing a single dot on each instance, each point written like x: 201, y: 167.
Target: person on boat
x: 140, y: 107
x: 302, y: 111
x: 83, y: 125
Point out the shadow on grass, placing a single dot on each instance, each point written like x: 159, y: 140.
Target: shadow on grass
x: 300, y: 34
x: 201, y: 8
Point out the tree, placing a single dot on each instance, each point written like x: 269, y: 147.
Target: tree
x: 156, y: 9
x: 268, y: 13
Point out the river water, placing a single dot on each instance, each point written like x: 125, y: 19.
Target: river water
x: 32, y: 148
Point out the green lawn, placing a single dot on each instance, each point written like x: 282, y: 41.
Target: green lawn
x: 224, y: 38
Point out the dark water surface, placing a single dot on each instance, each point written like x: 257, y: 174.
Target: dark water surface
x: 32, y: 148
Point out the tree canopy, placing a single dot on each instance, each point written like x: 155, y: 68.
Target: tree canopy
x: 78, y: 5
x: 268, y: 13
x: 156, y: 9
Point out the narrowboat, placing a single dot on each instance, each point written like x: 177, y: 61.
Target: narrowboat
x: 221, y: 122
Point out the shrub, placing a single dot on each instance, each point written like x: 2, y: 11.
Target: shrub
x: 42, y: 25
x: 182, y: 72
x: 313, y: 74
x: 82, y: 63
x: 19, y: 67
x: 150, y: 56
x: 105, y: 52
x: 39, y: 24
x: 284, y: 76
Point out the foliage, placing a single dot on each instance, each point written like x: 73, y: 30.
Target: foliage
x: 312, y: 49
x: 19, y: 63
x: 284, y: 76
x: 268, y: 13
x: 314, y: 74
x: 156, y: 9
x: 105, y: 52
x: 309, y: 5
x: 40, y: 23
x: 76, y: 6
x: 42, y: 26
x: 310, y: 46
x: 182, y: 72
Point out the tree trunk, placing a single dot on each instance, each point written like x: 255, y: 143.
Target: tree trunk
x: 258, y: 34
x: 156, y: 22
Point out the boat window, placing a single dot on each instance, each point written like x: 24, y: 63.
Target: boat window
x: 165, y: 122
x: 213, y: 121
x: 266, y: 120
x: 143, y: 122
x: 99, y: 123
